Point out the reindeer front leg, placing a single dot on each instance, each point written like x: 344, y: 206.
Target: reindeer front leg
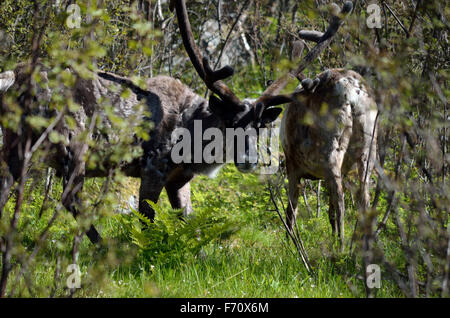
x: 154, y: 173
x: 150, y: 189
x: 73, y: 179
x: 179, y: 193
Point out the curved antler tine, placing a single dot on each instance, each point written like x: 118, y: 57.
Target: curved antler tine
x: 307, y: 84
x: 334, y: 9
x: 220, y: 74
x: 322, y: 40
x: 224, y: 72
x: 316, y: 83
x: 347, y: 8
x: 325, y: 76
x: 337, y: 18
x: 269, y: 100
x: 335, y: 23
x: 201, y: 64
x: 310, y: 85
x: 310, y: 35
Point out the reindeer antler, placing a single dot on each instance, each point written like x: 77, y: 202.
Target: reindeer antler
x: 269, y: 96
x: 325, y: 40
x: 213, y: 79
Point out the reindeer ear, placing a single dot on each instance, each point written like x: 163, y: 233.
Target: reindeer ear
x: 270, y: 114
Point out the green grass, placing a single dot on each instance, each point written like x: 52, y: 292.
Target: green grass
x: 255, y: 261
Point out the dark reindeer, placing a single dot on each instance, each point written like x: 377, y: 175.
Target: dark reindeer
x: 330, y: 126
x: 172, y: 105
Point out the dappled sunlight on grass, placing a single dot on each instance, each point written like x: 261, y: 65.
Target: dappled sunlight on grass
x: 255, y: 261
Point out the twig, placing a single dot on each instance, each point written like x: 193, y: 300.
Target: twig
x: 48, y: 186
x: 57, y: 275
x: 9, y: 240
x: 231, y: 277
x: 414, y: 17
x: 228, y: 37
x: 408, y: 255
x: 318, y: 198
x: 397, y: 19
x: 290, y: 233
x: 37, y: 248
x: 75, y: 252
x: 391, y: 198
x: 305, y: 199
x: 229, y: 33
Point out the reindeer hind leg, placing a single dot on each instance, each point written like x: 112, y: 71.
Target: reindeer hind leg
x: 293, y: 193
x: 337, y: 204
x: 332, y: 217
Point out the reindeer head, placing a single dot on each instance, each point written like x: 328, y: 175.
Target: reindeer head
x: 249, y: 113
